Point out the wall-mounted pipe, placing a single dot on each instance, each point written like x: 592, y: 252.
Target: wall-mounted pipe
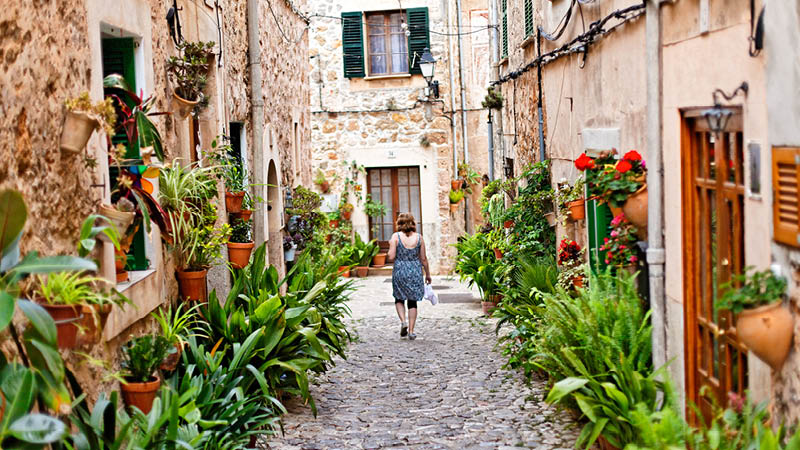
x: 452, y: 90
x: 257, y: 108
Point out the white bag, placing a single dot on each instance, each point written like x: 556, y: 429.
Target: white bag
x: 430, y: 294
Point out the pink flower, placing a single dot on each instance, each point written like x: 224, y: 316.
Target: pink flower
x: 622, y: 247
x: 633, y: 258
x: 605, y: 240
x: 618, y: 220
x: 614, y: 234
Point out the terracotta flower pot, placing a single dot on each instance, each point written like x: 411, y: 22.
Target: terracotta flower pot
x: 508, y: 224
x: 456, y: 185
x: 498, y: 253
x: 490, y: 303
x: 140, y: 395
x: 615, y: 211
x: 577, y: 281
x: 362, y: 271
x: 767, y: 331
x: 344, y: 271
x: 78, y: 128
x: 185, y: 107
x: 346, y: 215
x: 576, y: 210
x: 192, y: 284
x: 244, y: 214
x: 66, y: 318
x: 604, y: 444
x: 239, y: 253
x: 93, y: 322
x: 379, y: 260
x: 453, y: 208
x: 170, y: 363
x: 325, y: 187
x: 635, y: 209
x: 334, y: 223
x: 119, y: 265
x: 233, y: 202
x: 121, y: 220
x: 551, y: 219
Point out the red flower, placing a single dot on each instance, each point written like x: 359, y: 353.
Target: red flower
x: 623, y: 166
x: 632, y: 155
x: 584, y: 162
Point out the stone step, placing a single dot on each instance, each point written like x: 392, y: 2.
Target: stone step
x: 385, y: 271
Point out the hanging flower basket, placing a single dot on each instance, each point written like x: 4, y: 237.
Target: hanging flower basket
x: 78, y: 128
x: 576, y: 210
x: 767, y: 331
x: 635, y: 209
x: 66, y: 318
x: 233, y: 202
x: 239, y: 253
x: 185, y: 107
x: 140, y: 395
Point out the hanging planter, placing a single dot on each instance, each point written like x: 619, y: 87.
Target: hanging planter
x: 66, y: 318
x: 551, y: 219
x: 334, y: 223
x: 453, y: 208
x: 379, y: 260
x: 185, y: 107
x: 120, y: 259
x: 121, y: 219
x: 288, y: 253
x: 93, y: 323
x: 498, y: 253
x: 346, y: 215
x: 243, y: 214
x: 767, y: 331
x: 192, y: 284
x: 635, y: 209
x: 576, y: 209
x: 239, y: 253
x: 233, y: 202
x: 78, y: 128
x: 456, y: 185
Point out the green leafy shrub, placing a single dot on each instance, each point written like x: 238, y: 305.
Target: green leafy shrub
x: 142, y: 355
x: 760, y: 288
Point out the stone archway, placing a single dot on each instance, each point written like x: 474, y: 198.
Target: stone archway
x: 274, y: 216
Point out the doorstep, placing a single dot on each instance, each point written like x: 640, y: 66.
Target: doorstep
x: 385, y: 271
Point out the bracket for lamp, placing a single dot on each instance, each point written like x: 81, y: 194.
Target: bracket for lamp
x: 718, y: 116
x: 174, y: 23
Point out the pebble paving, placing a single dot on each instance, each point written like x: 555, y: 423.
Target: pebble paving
x: 446, y: 390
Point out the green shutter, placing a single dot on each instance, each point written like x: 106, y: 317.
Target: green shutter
x: 353, y: 44
x: 528, y: 18
x: 598, y: 225
x: 504, y: 7
x: 118, y: 58
x: 419, y: 39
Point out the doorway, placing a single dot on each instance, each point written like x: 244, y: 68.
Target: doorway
x: 713, y: 251
x: 398, y: 188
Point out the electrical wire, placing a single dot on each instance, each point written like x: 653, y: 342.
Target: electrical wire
x: 561, y: 27
x: 416, y: 27
x: 278, y: 25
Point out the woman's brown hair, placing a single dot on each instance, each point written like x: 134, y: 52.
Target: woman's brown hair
x: 406, y: 223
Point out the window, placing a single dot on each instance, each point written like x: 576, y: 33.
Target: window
x: 388, y: 49
x: 528, y: 18
x: 786, y: 196
x: 504, y: 14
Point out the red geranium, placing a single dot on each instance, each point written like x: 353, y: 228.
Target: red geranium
x: 632, y: 155
x: 623, y: 166
x: 584, y: 162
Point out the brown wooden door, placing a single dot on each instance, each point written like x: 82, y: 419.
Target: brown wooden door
x: 713, y: 228
x: 399, y: 189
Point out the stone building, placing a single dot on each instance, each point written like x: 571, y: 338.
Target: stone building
x: 631, y: 75
x: 371, y: 110
x: 54, y: 51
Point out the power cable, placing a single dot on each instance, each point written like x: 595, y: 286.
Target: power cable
x: 561, y: 27
x: 278, y: 24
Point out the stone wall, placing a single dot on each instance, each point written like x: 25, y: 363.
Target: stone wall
x: 51, y: 52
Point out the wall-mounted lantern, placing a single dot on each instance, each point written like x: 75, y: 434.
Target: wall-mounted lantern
x: 718, y: 116
x: 426, y: 64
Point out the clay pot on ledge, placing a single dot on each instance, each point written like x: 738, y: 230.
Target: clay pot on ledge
x: 192, y: 284
x: 78, y: 128
x: 185, y: 107
x: 93, y: 323
x: 233, y: 202
x: 140, y: 395
x: 456, y: 185
x: 576, y: 209
x: 344, y: 271
x: 66, y: 318
x: 498, y: 253
x: 767, y: 331
x: 244, y: 214
x: 362, y: 271
x: 239, y: 253
x: 508, y: 224
x: 120, y: 259
x: 635, y: 210
x: 379, y: 260
x: 490, y: 303
x: 453, y: 208
x: 172, y: 359
x: 346, y: 215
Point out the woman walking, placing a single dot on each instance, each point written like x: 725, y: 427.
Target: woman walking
x: 407, y: 250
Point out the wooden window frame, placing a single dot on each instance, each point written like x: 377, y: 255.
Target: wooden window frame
x: 387, y: 39
x: 396, y: 197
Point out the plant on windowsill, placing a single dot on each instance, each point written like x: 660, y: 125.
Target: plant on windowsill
x: 322, y: 181
x: 83, y: 117
x: 196, y: 248
x: 135, y: 120
x: 141, y: 357
x: 763, y: 322
x: 189, y: 72
x: 571, y: 200
x: 240, y: 244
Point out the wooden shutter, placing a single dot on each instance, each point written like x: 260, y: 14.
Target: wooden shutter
x: 528, y: 18
x: 785, y: 198
x: 419, y: 39
x: 118, y: 58
x: 353, y: 44
x: 598, y: 225
x: 504, y: 13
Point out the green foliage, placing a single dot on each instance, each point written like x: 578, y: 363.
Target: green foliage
x: 456, y: 196
x: 241, y: 231
x: 477, y: 265
x: 374, y: 208
x: 136, y: 122
x: 183, y: 188
x: 179, y: 323
x: 363, y: 252
x: 531, y: 232
x: 189, y: 71
x: 320, y: 178
x: 198, y: 246
x: 493, y: 99
x: 89, y: 232
x: 226, y: 166
x: 751, y: 290
x: 142, y: 355
x: 74, y: 288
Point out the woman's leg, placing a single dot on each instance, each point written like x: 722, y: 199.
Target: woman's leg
x: 400, y: 306
x: 412, y: 315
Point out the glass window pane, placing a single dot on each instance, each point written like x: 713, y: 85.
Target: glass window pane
x: 386, y: 199
x: 377, y: 44
x: 414, y: 175
x: 386, y: 177
x: 377, y: 64
x: 387, y: 232
x: 403, y: 194
x: 399, y: 62
x: 415, y: 205
x: 374, y: 178
x: 402, y: 177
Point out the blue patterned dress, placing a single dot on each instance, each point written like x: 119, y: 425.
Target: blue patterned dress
x: 407, y: 280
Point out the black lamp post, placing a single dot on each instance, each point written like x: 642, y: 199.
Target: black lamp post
x: 426, y: 65
x: 718, y: 116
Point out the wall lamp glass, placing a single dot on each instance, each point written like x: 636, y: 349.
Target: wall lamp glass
x: 427, y: 63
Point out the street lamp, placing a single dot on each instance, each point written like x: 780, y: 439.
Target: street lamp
x: 426, y: 65
x: 718, y: 116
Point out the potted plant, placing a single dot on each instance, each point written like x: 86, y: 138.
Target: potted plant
x: 469, y: 176
x: 455, y: 198
x: 247, y: 206
x: 73, y: 300
x: 333, y: 219
x: 346, y: 210
x: 763, y: 323
x: 497, y: 241
x: 456, y: 184
x: 345, y: 260
x: 289, y: 248
x: 493, y: 99
x: 616, y: 180
x: 374, y: 209
x: 490, y: 281
x: 363, y: 252
x: 571, y: 200
x: 182, y: 189
x: 83, y: 117
x: 240, y: 244
x: 228, y: 170
x: 379, y: 260
x: 620, y: 248
x: 136, y: 113
x: 177, y: 327
x: 189, y: 72
x: 321, y: 181
x: 570, y: 256
x: 196, y: 248
x: 141, y: 356
x: 121, y: 214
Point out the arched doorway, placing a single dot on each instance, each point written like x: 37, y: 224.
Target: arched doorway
x: 274, y: 216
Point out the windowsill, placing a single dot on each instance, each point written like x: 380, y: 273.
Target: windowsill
x: 528, y: 40
x: 134, y: 276
x: 388, y: 77
x: 502, y: 61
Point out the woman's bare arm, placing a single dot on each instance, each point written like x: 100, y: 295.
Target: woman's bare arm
x: 423, y: 257
x: 392, y: 248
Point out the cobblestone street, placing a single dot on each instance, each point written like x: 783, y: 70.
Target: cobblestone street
x: 446, y: 390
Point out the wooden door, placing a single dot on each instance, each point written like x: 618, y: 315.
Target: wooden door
x: 398, y: 188
x: 713, y: 230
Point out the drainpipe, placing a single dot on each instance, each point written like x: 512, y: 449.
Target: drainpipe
x: 491, y: 145
x: 260, y: 234
x: 655, y: 180
x: 494, y: 44
x: 452, y: 94
x: 464, y: 139
x: 540, y: 111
